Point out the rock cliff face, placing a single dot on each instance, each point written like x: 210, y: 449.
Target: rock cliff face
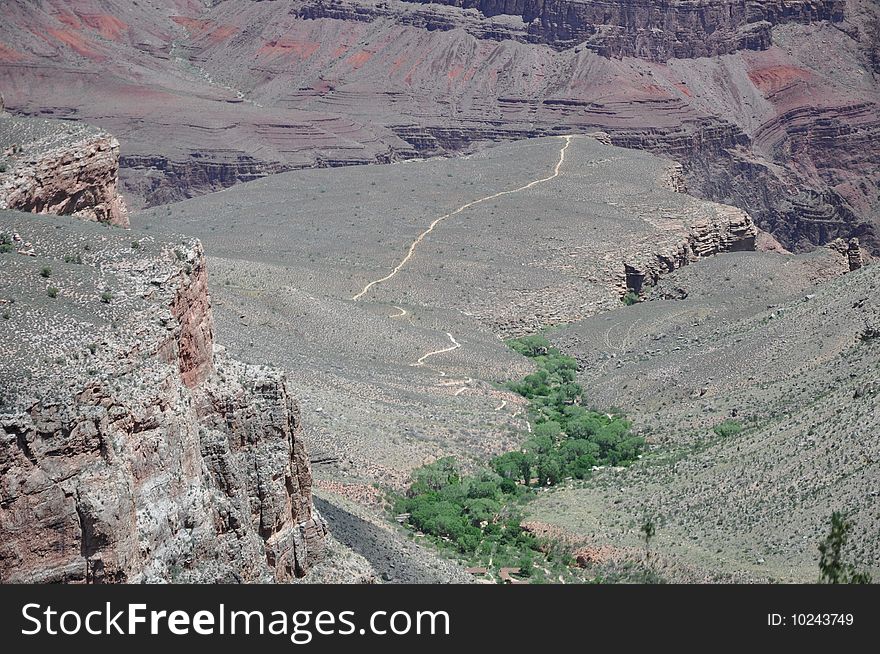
x: 728, y: 229
x: 60, y: 168
x: 132, y: 448
x: 655, y: 30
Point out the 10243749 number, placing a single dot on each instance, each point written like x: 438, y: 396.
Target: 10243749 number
x: 810, y: 620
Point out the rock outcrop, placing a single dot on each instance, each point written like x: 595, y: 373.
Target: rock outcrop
x: 132, y: 449
x: 728, y: 230
x: 60, y: 168
x: 851, y: 251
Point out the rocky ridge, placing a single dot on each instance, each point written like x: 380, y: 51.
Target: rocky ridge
x: 644, y: 29
x: 728, y: 230
x: 131, y: 448
x: 651, y: 30
x: 56, y: 167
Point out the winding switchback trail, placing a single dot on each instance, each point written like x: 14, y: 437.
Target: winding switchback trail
x: 437, y: 221
x: 455, y: 345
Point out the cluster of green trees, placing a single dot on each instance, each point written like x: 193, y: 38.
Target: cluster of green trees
x: 568, y: 439
x: 479, y: 515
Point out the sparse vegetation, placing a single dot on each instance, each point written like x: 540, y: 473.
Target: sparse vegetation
x: 832, y: 568
x: 728, y: 428
x: 52, y: 292
x: 73, y: 258
x: 106, y: 297
x: 630, y: 298
x: 6, y: 244
x: 45, y: 272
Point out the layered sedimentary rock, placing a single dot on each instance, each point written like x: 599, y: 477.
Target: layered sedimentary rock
x: 240, y: 89
x: 619, y: 28
x: 60, y: 168
x: 727, y: 230
x: 132, y: 448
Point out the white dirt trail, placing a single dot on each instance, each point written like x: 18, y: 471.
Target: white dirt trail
x: 437, y: 221
x: 455, y: 345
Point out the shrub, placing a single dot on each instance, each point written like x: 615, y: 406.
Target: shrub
x: 106, y: 296
x: 728, y: 428
x: 52, y: 292
x: 45, y: 272
x: 832, y: 568
x: 630, y: 298
x: 6, y: 244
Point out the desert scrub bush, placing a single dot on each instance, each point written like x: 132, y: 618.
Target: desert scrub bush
x: 135, y: 245
x: 73, y: 258
x: 6, y: 243
x: 727, y: 428
x: 106, y: 296
x: 52, y: 292
x: 630, y: 298
x: 832, y: 568
x: 45, y: 272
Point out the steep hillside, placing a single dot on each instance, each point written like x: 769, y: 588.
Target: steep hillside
x: 784, y: 347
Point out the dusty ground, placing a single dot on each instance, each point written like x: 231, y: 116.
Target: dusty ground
x: 408, y: 370
x: 755, y: 341
x: 766, y: 338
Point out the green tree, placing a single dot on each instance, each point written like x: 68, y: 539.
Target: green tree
x: 549, y: 470
x: 514, y: 465
x: 832, y: 568
x: 648, y: 531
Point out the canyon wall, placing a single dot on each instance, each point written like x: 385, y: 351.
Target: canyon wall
x: 132, y: 449
x: 60, y: 168
x: 240, y: 89
x: 656, y: 31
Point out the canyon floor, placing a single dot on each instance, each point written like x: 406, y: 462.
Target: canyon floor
x: 386, y: 291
